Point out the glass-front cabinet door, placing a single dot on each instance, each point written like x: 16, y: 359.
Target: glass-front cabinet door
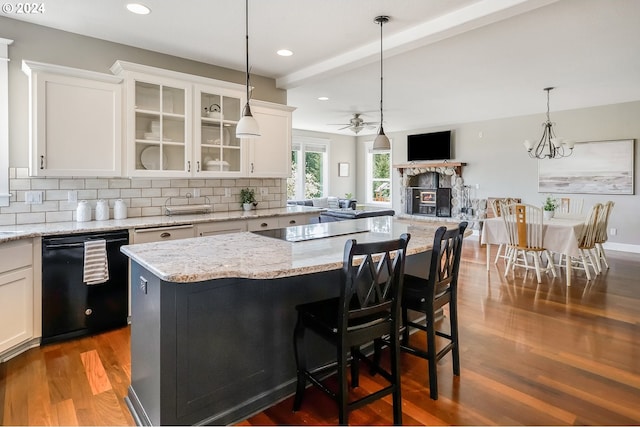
x: 217, y: 150
x: 161, y: 128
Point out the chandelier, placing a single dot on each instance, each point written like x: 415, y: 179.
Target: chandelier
x: 549, y: 146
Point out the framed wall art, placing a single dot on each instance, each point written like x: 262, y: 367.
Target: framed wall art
x: 343, y: 169
x: 596, y: 167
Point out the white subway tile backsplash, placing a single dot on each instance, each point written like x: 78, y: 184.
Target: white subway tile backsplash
x: 160, y: 183
x: 108, y: 193
x: 145, y: 197
x: 22, y: 172
x: 59, y: 216
x: 151, y: 211
x: 7, y: 219
x: 119, y: 183
x: 30, y: 218
x: 140, y: 183
x: 85, y: 194
x: 151, y: 192
x: 20, y: 184
x: 72, y: 184
x: 45, y: 184
x: 46, y: 206
x: 96, y: 183
x: 140, y: 202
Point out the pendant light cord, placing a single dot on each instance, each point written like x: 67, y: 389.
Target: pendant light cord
x: 381, y: 113
x: 246, y: 28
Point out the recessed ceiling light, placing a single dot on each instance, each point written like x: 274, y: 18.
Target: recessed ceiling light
x: 323, y: 98
x: 138, y: 8
x: 284, y: 52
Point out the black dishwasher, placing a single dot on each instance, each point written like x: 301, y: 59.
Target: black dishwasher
x: 71, y: 308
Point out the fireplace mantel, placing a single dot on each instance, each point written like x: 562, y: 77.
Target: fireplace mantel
x: 429, y: 165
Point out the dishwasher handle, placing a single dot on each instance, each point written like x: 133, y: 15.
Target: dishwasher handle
x: 80, y: 244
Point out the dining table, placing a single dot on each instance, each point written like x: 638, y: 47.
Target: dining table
x: 559, y: 235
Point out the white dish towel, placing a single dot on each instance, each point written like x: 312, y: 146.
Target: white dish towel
x: 96, y: 266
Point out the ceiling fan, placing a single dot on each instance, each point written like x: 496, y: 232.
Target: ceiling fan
x: 356, y: 124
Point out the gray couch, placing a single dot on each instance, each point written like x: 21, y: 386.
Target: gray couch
x: 341, y: 203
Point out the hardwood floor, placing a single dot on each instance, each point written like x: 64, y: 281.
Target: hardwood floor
x: 531, y: 354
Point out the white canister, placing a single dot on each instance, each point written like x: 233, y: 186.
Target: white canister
x: 83, y: 212
x: 102, y: 210
x: 119, y: 209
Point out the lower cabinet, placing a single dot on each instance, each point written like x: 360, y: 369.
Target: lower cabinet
x: 16, y: 294
x: 220, y: 227
x: 159, y: 234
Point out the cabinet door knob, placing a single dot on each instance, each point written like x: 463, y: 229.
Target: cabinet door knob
x: 165, y: 234
x: 88, y: 312
x: 264, y: 224
x: 41, y: 162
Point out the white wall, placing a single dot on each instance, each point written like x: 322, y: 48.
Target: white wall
x: 342, y: 149
x: 498, y: 162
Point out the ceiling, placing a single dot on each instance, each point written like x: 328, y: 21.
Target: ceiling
x: 445, y: 61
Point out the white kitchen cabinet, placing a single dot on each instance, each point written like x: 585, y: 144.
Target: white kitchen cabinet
x: 16, y: 294
x: 270, y: 153
x: 168, y: 131
x: 217, y: 151
x: 159, y: 234
x: 75, y: 121
x: 221, y: 227
x: 293, y: 220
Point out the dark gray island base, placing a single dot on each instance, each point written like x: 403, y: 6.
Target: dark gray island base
x: 217, y: 351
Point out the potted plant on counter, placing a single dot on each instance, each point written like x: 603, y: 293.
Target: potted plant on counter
x: 248, y: 198
x: 550, y: 205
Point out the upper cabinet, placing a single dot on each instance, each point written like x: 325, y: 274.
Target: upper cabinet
x: 270, y: 153
x: 217, y: 151
x: 75, y: 121
x: 180, y: 125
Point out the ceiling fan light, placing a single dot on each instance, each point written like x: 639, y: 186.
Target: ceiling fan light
x: 247, y: 127
x: 381, y: 142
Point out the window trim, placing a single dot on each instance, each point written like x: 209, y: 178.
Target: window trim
x: 369, y: 177
x: 305, y: 141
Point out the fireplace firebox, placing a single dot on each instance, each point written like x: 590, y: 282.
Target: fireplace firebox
x: 428, y: 201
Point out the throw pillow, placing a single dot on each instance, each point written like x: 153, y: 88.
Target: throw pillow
x: 333, y: 203
x: 321, y: 202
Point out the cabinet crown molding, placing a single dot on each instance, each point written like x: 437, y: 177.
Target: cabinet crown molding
x: 29, y: 67
x: 121, y: 67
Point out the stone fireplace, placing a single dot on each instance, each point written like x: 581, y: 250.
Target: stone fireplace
x: 431, y: 189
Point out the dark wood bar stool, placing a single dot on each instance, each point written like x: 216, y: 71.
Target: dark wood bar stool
x: 367, y: 309
x: 428, y: 297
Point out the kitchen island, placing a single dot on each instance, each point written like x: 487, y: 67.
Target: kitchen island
x: 213, y: 317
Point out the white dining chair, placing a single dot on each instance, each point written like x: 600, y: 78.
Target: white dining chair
x: 570, y: 206
x: 588, y: 259
x: 524, y: 224
x: 496, y: 207
x: 601, y: 232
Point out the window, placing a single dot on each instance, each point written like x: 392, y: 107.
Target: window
x: 311, y: 156
x: 378, y: 177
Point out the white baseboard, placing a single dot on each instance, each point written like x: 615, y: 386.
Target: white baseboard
x: 622, y: 247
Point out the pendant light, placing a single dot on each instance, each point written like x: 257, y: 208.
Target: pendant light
x: 381, y: 142
x: 247, y: 127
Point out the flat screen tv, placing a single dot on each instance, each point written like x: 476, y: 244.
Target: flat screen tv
x: 429, y: 146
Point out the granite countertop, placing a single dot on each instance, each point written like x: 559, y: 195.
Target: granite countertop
x: 253, y: 256
x: 16, y: 232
